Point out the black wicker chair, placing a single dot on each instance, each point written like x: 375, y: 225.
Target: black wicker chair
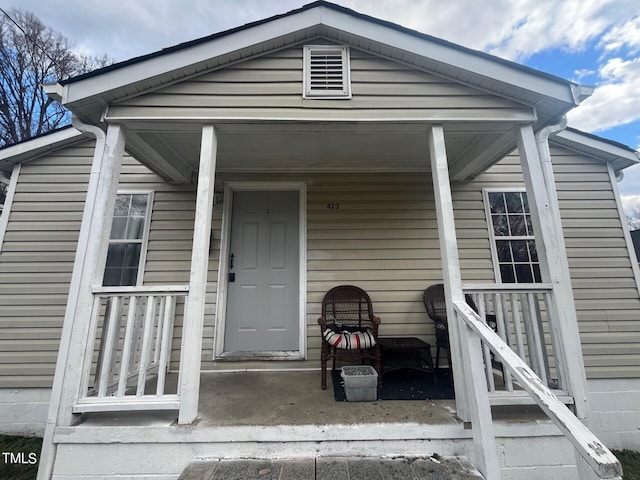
x: 436, y: 306
x: 347, y: 308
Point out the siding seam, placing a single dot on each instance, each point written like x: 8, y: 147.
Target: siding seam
x: 6, y: 210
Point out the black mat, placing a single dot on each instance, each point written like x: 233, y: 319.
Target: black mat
x: 404, y: 384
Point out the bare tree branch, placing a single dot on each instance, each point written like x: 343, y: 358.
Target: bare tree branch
x: 32, y: 54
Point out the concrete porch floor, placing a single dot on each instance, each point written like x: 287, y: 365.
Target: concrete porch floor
x: 276, y: 398
x: 295, y: 398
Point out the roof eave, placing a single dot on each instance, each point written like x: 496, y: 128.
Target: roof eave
x: 172, y: 64
x: 37, y: 147
x: 616, y: 154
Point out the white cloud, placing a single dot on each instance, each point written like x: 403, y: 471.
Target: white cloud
x: 614, y: 102
x: 513, y: 29
x: 621, y: 36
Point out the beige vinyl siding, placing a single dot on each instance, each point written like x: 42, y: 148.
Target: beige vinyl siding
x: 36, y: 262
x: 604, y: 288
x: 605, y: 291
x: 39, y: 249
x: 271, y: 86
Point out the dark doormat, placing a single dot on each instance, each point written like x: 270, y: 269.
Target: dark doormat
x: 404, y: 384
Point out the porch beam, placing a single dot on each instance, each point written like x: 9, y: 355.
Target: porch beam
x: 167, y: 169
x: 88, y: 268
x: 472, y: 397
x: 195, y: 303
x: 554, y: 266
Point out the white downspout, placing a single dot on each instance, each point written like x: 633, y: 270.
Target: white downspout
x: 49, y: 448
x: 542, y: 140
x: 579, y: 385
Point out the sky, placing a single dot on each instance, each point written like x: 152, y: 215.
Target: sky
x: 593, y: 42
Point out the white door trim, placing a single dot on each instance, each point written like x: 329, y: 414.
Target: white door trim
x: 223, y: 270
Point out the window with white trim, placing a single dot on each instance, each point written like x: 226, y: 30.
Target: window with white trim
x: 326, y: 72
x: 128, y: 240
x: 513, y: 243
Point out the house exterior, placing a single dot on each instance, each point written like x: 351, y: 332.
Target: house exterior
x: 208, y: 196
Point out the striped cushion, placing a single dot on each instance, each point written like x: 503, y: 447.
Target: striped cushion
x: 350, y: 341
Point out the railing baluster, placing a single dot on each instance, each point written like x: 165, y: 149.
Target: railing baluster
x: 534, y: 311
x: 515, y: 311
x: 160, y: 323
x: 502, y: 331
x: 146, y: 344
x: 486, y: 352
x: 127, y: 345
x: 555, y: 340
x: 109, y: 346
x: 162, y: 371
x: 168, y: 345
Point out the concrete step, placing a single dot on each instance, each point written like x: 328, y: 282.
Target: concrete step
x: 333, y: 468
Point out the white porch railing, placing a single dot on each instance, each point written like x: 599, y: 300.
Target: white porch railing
x: 591, y: 453
x: 521, y: 315
x: 126, y: 364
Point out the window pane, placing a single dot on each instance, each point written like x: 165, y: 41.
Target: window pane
x: 536, y: 273
x: 500, y: 225
x: 517, y: 226
x: 132, y: 255
x: 525, y: 201
x: 115, y: 256
x: 111, y: 277
x: 119, y: 228
x: 129, y: 276
x: 139, y: 205
x: 496, y: 203
x: 506, y: 273
x: 122, y: 205
x: 523, y: 273
x: 514, y: 202
x: 520, y: 252
x: 532, y: 251
x: 135, y: 228
x: 503, y: 248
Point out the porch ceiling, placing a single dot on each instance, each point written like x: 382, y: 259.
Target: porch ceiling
x: 173, y: 150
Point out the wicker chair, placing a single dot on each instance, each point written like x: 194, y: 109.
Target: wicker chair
x: 348, y: 308
x: 436, y: 306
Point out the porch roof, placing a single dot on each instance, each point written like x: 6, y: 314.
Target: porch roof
x: 88, y: 94
x: 472, y: 147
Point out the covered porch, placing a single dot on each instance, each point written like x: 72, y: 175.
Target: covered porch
x: 131, y: 328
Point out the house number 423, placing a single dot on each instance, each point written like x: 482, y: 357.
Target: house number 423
x: 333, y: 206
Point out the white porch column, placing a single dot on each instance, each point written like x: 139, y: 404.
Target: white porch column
x: 554, y: 265
x: 450, y: 261
x: 472, y: 398
x: 194, y: 308
x: 88, y: 267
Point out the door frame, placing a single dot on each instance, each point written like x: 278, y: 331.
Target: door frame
x: 223, y: 268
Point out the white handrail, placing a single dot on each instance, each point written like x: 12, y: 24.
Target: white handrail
x: 594, y: 453
x: 141, y: 290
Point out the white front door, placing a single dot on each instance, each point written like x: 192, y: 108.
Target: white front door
x: 263, y: 279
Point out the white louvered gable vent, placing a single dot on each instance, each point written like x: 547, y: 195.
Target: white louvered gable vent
x: 326, y: 72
